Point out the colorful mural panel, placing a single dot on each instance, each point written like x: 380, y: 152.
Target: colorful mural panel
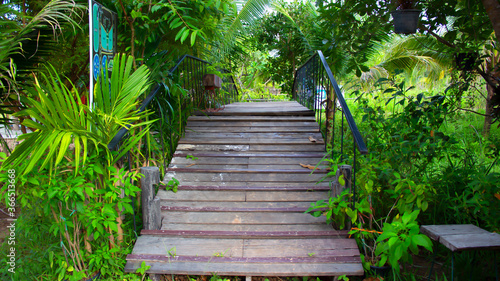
x: 104, y: 22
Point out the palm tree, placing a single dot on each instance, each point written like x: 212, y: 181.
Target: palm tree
x: 417, y: 56
x: 68, y: 134
x: 24, y: 42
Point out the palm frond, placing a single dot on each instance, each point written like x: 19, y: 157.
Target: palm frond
x: 61, y: 119
x: 418, y: 55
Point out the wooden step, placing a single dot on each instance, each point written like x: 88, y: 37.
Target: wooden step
x: 249, y: 234
x: 297, y: 187
x: 253, y: 154
x: 261, y: 109
x: 247, y: 256
x: 241, y: 196
x: 253, y: 118
x: 228, y: 176
x: 196, y: 206
x: 246, y: 171
x: 250, y: 148
x: 246, y: 227
x: 245, y: 181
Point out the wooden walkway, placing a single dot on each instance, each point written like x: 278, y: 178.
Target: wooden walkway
x: 243, y: 190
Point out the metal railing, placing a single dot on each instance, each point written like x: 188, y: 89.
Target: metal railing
x: 315, y: 87
x: 188, y: 73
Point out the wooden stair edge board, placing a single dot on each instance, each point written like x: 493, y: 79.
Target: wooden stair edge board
x: 256, y: 113
x: 216, y: 259
x: 337, y: 234
x: 250, y: 118
x: 253, y: 188
x: 250, y: 269
x: 244, y: 154
x: 284, y: 171
x: 224, y: 209
x: 248, y: 141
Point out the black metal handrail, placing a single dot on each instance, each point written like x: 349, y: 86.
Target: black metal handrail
x: 197, y: 67
x: 313, y: 83
x: 188, y: 72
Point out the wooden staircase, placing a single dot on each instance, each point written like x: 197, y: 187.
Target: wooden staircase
x: 244, y: 184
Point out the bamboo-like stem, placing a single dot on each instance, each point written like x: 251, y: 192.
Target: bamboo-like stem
x: 68, y: 240
x: 60, y: 234
x: 77, y: 240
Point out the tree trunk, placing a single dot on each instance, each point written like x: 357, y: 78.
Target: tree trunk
x: 492, y: 8
x: 488, y: 110
x: 330, y: 115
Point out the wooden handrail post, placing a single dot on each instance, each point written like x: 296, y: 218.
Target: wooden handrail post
x: 151, y: 213
x: 337, y: 188
x: 346, y: 171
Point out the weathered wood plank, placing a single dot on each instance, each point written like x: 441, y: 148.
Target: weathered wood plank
x: 239, y: 141
x: 194, y: 169
x: 436, y: 231
x: 218, y: 259
x: 290, y: 196
x: 202, y: 196
x: 252, y: 118
x: 159, y: 245
x: 257, y: 109
x: 297, y: 148
x: 276, y: 129
x: 237, y: 154
x: 150, y: 205
x: 459, y: 237
x: 243, y: 247
x: 461, y: 242
x: 274, y: 187
x: 251, y: 148
x: 251, y: 269
x: 251, y: 135
x: 234, y: 206
x: 210, y: 161
x: 289, y: 161
x: 214, y: 123
x: 247, y: 227
x: 222, y: 160
x: 249, y: 234
x: 321, y: 247
x: 218, y: 147
x: 262, y: 167
x: 234, y: 209
x: 242, y: 177
x: 208, y: 166
x: 260, y: 185
x: 222, y: 218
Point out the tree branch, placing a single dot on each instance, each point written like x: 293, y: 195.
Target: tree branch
x: 439, y: 38
x: 472, y: 111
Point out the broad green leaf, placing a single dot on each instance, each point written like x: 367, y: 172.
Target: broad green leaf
x: 180, y: 33
x: 193, y: 37
x: 185, y: 34
x: 422, y: 240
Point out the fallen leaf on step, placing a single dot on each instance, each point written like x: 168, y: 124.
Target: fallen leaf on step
x: 190, y: 165
x: 310, y: 167
x: 311, y: 139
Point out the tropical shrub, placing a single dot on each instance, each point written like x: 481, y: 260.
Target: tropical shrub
x: 65, y: 165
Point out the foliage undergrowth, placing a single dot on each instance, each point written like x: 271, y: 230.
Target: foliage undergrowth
x: 427, y: 164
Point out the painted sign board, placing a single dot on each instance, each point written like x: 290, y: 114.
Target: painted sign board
x: 104, y: 37
x: 103, y: 27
